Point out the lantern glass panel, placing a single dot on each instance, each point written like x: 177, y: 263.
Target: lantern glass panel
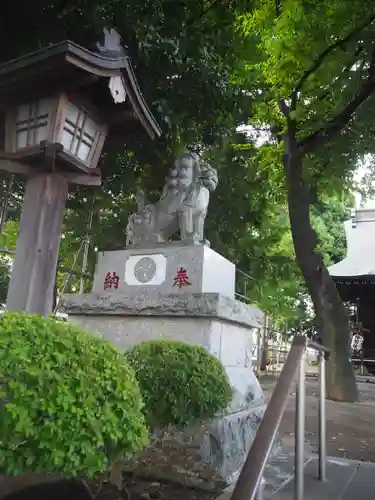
x: 80, y: 132
x: 32, y: 123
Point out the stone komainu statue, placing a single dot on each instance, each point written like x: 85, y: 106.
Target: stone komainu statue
x: 182, y: 205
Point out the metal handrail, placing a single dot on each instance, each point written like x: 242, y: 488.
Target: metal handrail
x: 250, y: 484
x: 361, y: 360
x: 242, y: 297
x: 318, y: 347
x: 244, y: 274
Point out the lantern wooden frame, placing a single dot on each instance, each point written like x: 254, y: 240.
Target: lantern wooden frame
x: 47, y: 122
x: 102, y: 84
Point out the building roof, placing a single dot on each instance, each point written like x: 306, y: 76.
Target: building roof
x: 359, y: 262
x: 66, y: 66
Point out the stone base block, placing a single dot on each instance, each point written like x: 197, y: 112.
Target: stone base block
x: 221, y: 325
x: 207, y: 456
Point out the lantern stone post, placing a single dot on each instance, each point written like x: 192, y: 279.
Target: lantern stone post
x: 59, y: 106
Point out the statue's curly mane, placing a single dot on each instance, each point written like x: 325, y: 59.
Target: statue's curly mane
x: 170, y: 181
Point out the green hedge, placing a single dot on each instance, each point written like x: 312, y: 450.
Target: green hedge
x: 69, y: 403
x: 179, y: 382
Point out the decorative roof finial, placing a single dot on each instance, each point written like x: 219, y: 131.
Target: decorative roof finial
x: 112, y: 44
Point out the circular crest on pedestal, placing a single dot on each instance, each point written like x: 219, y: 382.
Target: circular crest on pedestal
x: 145, y: 269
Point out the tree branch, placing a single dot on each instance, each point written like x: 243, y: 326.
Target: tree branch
x: 326, y: 94
x: 323, y: 135
x: 333, y: 127
x: 283, y: 107
x: 278, y: 8
x: 321, y: 58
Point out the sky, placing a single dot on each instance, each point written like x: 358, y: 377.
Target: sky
x: 361, y: 171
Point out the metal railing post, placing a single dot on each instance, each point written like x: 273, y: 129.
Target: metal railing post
x: 322, y: 417
x: 259, y: 350
x: 247, y: 485
x: 300, y: 433
x: 250, y: 484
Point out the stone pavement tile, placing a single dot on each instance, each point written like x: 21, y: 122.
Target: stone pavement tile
x: 346, y: 480
x: 339, y: 475
x: 362, y: 486
x: 279, y: 471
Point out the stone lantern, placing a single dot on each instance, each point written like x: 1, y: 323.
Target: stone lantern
x: 57, y: 108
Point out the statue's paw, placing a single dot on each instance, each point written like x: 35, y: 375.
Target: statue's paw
x: 206, y: 243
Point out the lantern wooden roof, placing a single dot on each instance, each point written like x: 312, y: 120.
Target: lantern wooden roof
x: 68, y: 67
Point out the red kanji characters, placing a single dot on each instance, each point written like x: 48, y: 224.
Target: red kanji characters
x: 111, y: 280
x: 181, y: 279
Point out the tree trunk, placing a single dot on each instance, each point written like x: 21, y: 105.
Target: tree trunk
x: 330, y: 311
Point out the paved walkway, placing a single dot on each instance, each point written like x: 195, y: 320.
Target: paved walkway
x: 346, y: 480
x: 350, y: 426
x: 350, y: 444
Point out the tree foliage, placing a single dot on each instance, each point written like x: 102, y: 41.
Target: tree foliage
x: 181, y: 66
x: 296, y: 70
x: 249, y: 223
x: 313, y: 65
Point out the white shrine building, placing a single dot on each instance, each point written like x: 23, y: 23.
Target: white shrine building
x: 355, y: 274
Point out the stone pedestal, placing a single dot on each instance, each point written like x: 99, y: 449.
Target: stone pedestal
x: 126, y: 313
